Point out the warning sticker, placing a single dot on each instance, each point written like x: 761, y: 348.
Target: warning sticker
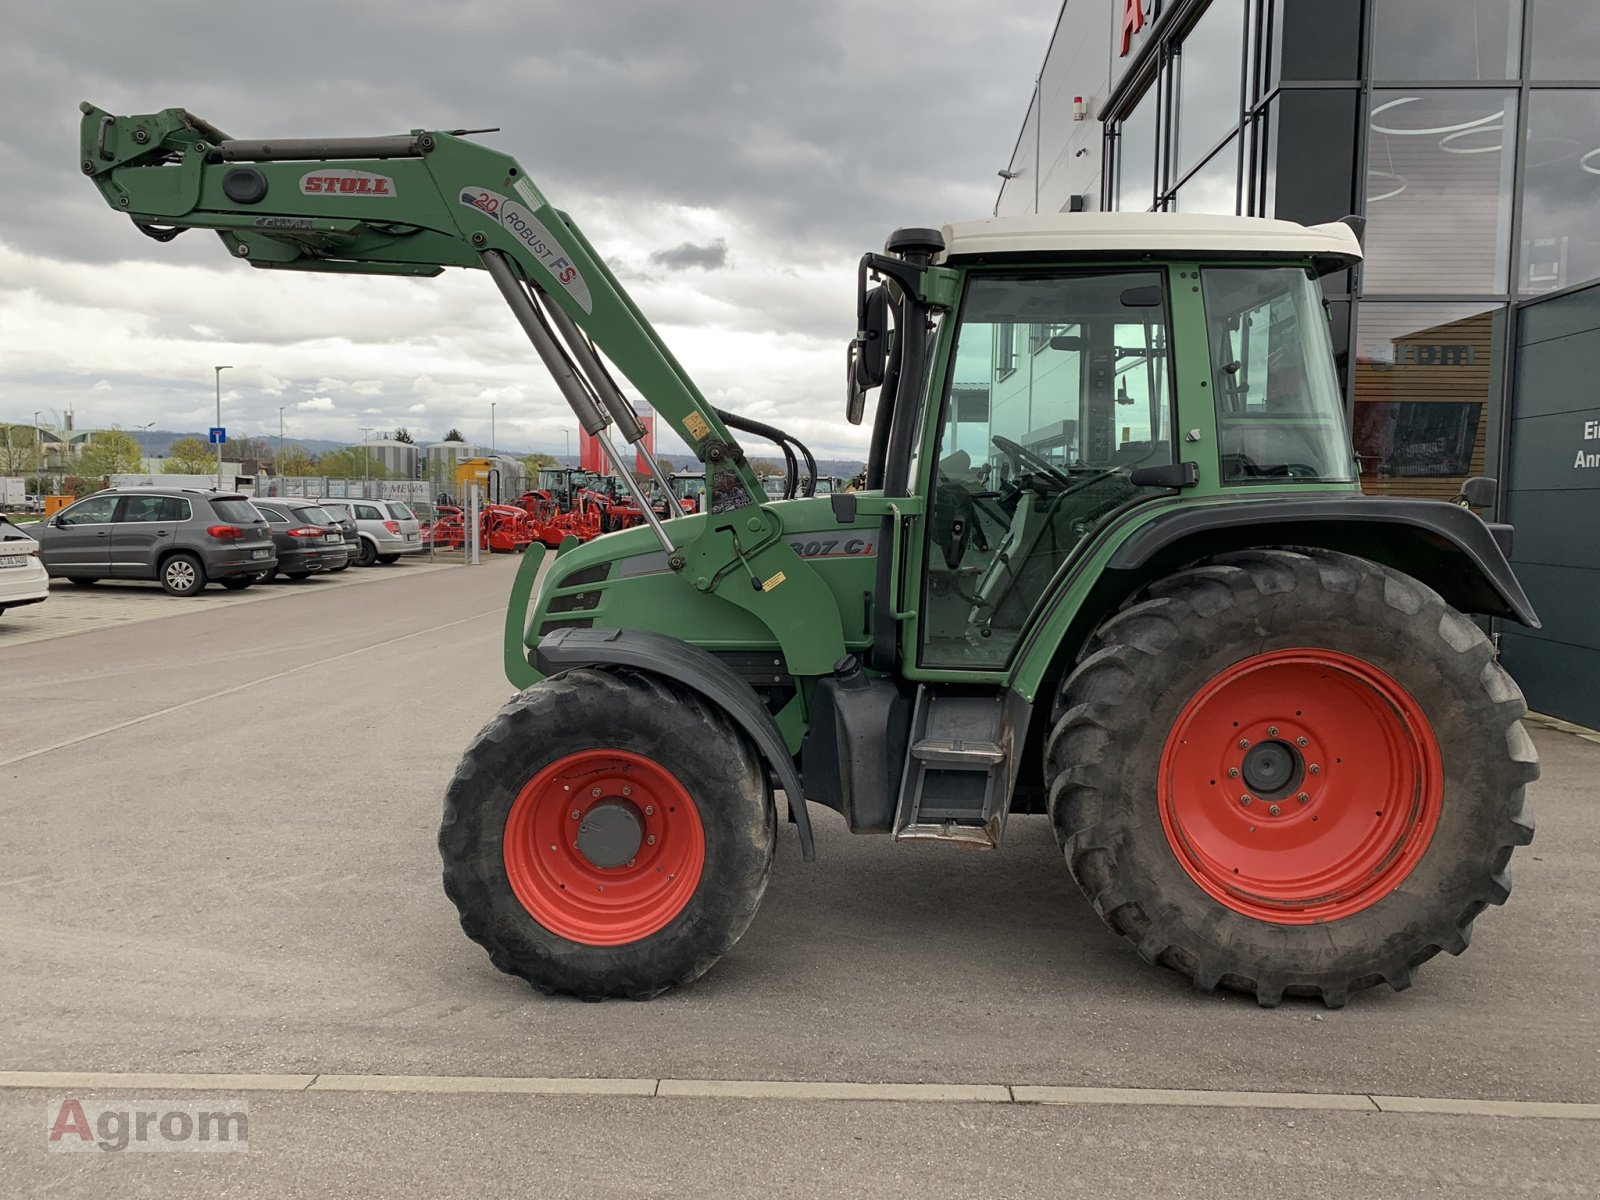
x: 773, y: 582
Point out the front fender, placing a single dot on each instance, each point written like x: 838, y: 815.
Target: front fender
x: 691, y: 667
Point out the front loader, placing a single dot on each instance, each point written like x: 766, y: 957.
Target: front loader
x: 1111, y: 564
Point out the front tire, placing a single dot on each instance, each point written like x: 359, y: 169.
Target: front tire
x: 388, y: 560
x: 367, y: 555
x: 183, y: 575
x: 607, y: 834
x: 1290, y: 772
x: 238, y: 583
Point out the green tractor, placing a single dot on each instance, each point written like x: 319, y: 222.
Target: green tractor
x: 1111, y: 564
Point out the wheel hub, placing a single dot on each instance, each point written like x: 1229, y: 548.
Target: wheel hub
x: 611, y: 833
x: 1271, y: 768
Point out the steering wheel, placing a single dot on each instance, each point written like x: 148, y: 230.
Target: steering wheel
x: 1020, y: 456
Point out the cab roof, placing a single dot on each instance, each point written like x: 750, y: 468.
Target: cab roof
x: 1136, y: 235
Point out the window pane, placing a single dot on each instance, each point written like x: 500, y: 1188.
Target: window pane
x: 95, y: 510
x: 1320, y: 41
x: 1561, y: 191
x: 1445, y: 39
x: 150, y: 508
x: 1280, y: 415
x: 1427, y: 395
x: 1136, y: 156
x: 1060, y: 386
x: 1438, y: 191
x: 1210, y: 64
x: 1311, y: 154
x: 1565, y: 40
x: 1214, y: 188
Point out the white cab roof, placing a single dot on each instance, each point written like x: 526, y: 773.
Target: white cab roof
x: 1131, y: 235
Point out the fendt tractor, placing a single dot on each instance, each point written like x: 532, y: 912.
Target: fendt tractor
x: 1111, y: 564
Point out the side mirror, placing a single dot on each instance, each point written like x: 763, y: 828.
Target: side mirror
x: 868, y: 356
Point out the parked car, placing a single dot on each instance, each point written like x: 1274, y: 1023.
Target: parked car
x: 182, y: 537
x: 388, y: 529
x: 23, y: 579
x: 352, y: 539
x: 307, y: 537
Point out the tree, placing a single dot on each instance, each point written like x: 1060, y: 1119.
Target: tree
x: 240, y: 448
x: 765, y: 468
x: 110, y: 452
x: 353, y: 462
x: 454, y: 435
x: 667, y: 467
x: 18, y: 449
x: 404, y: 435
x: 295, y: 460
x: 190, y: 456
x: 538, y: 462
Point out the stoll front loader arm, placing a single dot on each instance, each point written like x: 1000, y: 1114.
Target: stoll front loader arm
x: 415, y: 203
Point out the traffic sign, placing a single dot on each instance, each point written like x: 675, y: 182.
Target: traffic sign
x: 219, y: 436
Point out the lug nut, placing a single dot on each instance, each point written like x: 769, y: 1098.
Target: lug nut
x: 1274, y: 810
x: 627, y: 791
x: 1272, y: 731
x: 1245, y: 801
x: 649, y: 810
x: 1244, y: 743
x: 1304, y: 797
x: 1314, y: 769
x: 576, y: 815
x: 596, y: 792
x: 651, y: 840
x: 1301, y: 742
x: 1233, y: 772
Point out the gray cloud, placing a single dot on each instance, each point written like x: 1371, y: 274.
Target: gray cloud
x: 710, y: 257
x: 806, y: 131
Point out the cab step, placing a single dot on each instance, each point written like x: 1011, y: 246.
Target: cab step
x: 960, y: 766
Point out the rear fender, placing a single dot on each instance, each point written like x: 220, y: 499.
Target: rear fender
x: 686, y: 666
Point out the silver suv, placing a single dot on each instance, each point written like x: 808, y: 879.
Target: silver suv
x: 387, y: 528
x: 182, y: 537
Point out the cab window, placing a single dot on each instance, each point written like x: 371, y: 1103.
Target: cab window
x: 1060, y: 386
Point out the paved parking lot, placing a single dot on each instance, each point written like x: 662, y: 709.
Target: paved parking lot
x: 223, y: 863
x: 74, y: 609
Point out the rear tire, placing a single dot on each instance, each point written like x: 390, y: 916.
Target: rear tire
x: 509, y: 841
x: 297, y: 576
x: 367, y: 555
x: 183, y: 575
x: 238, y: 583
x: 84, y: 580
x: 388, y: 559
x: 1402, y: 708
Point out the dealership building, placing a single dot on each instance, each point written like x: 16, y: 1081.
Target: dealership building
x: 1467, y: 133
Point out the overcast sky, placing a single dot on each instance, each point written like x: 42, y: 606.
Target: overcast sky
x: 730, y: 160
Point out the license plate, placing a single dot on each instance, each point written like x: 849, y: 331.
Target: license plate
x: 13, y: 560
x: 261, y: 554
x: 411, y: 537
x: 335, y: 538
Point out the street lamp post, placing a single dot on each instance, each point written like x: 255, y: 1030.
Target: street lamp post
x: 568, y: 454
x: 219, y: 371
x: 38, y: 450
x: 366, y: 460
x: 278, y: 465
x: 492, y: 403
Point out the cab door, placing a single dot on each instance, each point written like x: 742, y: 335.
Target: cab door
x: 1057, y: 387
x: 144, y: 527
x: 77, y: 540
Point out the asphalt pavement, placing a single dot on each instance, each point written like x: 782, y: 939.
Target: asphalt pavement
x: 218, y: 858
